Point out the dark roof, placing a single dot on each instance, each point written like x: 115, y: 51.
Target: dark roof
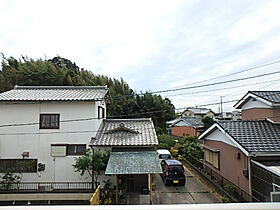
x: 271, y: 96
x: 194, y: 122
x: 55, y: 93
x: 254, y: 136
x: 126, y: 132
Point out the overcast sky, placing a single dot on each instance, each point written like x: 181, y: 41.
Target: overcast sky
x: 154, y: 45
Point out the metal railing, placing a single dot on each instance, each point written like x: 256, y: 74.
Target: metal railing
x: 229, y: 188
x: 46, y: 187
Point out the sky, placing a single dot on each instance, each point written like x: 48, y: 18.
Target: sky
x: 155, y: 45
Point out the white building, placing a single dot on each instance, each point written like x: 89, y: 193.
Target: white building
x: 48, y: 127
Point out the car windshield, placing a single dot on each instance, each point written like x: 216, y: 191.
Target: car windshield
x: 164, y: 156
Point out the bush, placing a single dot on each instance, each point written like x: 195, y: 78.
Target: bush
x: 167, y: 139
x: 174, y: 152
x: 163, y: 146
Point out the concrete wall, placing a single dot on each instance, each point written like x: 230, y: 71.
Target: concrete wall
x: 182, y: 131
x: 261, y: 113
x: 230, y: 167
x: 15, y: 140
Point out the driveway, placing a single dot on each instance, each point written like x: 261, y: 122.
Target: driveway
x: 193, y: 192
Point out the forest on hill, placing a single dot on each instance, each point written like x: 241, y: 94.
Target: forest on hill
x: 60, y: 71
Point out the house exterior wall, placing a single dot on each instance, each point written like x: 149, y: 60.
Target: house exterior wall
x: 231, y: 168
x: 190, y: 113
x: 15, y: 140
x: 181, y: 131
x: 261, y: 113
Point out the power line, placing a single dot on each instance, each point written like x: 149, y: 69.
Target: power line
x: 226, y: 88
x: 234, y: 73
x: 216, y: 83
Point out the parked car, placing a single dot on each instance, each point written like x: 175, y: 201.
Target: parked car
x: 173, y: 172
x: 164, y: 154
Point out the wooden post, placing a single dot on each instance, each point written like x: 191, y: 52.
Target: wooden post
x: 117, y: 189
x: 151, y: 189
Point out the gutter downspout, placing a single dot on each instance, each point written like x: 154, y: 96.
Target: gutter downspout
x: 250, y: 175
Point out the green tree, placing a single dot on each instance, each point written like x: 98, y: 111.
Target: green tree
x: 166, y: 141
x: 92, y: 163
x: 63, y: 72
x: 208, y: 122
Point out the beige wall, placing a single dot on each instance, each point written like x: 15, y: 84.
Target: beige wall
x: 261, y: 113
x: 231, y: 168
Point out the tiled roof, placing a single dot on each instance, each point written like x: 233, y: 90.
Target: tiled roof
x: 254, y: 136
x: 189, y: 121
x: 272, y: 96
x: 126, y: 132
x: 54, y: 93
x: 144, y: 162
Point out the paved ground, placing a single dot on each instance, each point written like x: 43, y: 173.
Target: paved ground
x: 193, y: 192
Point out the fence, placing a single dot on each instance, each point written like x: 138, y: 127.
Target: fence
x: 262, y: 181
x: 39, y: 187
x: 230, y: 189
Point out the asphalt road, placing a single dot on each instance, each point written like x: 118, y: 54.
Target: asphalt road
x: 193, y: 192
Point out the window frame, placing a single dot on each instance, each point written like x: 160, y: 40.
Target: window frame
x: 50, y: 122
x: 17, y: 168
x: 211, y: 161
x: 101, y: 112
x: 75, y: 153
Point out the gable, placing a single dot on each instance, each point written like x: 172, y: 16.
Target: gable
x: 254, y: 103
x: 217, y: 135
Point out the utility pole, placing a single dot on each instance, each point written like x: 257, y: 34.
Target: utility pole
x: 221, y: 105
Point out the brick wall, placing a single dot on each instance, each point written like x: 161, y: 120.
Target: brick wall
x: 182, y: 131
x: 230, y: 167
x: 261, y: 113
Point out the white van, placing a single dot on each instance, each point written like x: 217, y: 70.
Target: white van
x: 164, y: 154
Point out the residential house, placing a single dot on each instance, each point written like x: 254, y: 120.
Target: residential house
x: 46, y: 127
x: 257, y: 105
x: 198, y: 112
x: 181, y: 127
x: 231, y: 146
x: 133, y: 158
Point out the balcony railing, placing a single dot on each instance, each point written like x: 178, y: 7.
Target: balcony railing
x: 46, y: 187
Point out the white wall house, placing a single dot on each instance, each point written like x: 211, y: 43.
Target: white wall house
x: 48, y: 127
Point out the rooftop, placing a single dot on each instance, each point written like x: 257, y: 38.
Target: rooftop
x: 126, y: 132
x: 188, y: 121
x: 271, y: 96
x: 255, y: 136
x: 142, y: 162
x: 55, y: 93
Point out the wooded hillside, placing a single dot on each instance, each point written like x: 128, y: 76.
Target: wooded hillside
x: 63, y: 72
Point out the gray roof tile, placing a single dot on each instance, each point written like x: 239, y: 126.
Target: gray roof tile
x: 272, y: 96
x: 126, y: 132
x: 189, y: 121
x: 55, y: 93
x: 254, y: 136
x: 144, y: 162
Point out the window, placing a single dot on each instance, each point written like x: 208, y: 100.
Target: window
x: 61, y: 150
x: 76, y: 149
x: 49, y: 121
x: 213, y: 158
x: 18, y: 165
x: 101, y: 112
x: 58, y: 150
